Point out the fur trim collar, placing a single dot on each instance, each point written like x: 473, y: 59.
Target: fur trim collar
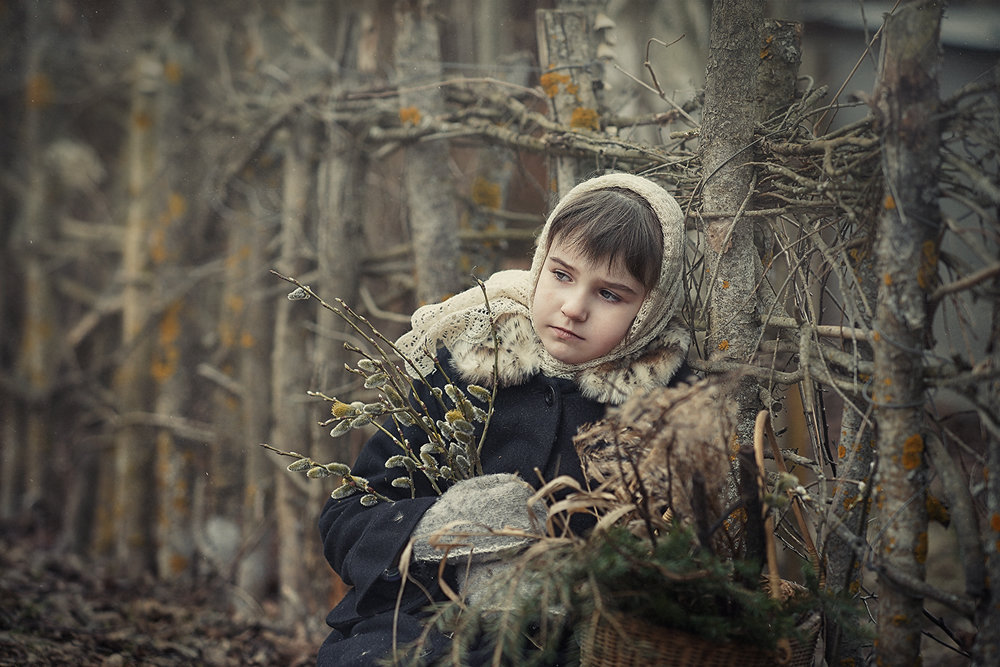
x: 521, y: 356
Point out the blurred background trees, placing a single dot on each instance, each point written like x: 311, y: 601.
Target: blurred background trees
x: 159, y: 158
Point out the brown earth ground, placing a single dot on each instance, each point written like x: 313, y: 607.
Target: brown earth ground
x: 59, y: 610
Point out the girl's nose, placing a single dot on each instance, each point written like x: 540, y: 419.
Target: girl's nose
x: 574, y: 308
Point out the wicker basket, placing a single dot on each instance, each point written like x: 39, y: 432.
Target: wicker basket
x: 618, y: 640
x: 624, y: 641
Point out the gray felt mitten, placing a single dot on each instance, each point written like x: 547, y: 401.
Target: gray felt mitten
x: 478, y: 505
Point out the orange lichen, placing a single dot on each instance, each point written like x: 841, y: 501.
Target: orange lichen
x: 887, y: 279
x: 725, y: 284
x: 168, y: 354
x: 995, y: 522
x: 172, y: 72
x: 724, y: 345
x: 889, y: 203
x: 841, y: 451
x: 765, y: 52
x: 927, y: 273
x: 38, y: 91
x: 550, y: 82
x: 920, y: 549
x: 913, y: 449
x: 235, y: 303
x: 409, y: 116
x: 486, y: 193
x: 586, y: 119
x: 142, y: 120
x: 936, y: 510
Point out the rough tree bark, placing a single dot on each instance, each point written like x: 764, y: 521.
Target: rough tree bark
x: 171, y: 248
x: 906, y: 102
x: 132, y: 487
x: 571, y: 77
x: 290, y: 372
x: 426, y: 174
x: 731, y: 259
x: 26, y: 454
x: 987, y: 647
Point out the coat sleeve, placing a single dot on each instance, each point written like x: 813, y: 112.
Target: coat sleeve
x: 363, y: 544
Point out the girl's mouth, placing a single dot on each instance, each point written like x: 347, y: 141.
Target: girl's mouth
x: 565, y: 334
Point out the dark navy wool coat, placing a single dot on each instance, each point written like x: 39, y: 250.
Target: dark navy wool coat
x: 532, y: 427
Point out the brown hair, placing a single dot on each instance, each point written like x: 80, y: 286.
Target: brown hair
x: 615, y: 224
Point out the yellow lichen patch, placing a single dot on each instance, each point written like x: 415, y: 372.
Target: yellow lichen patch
x: 172, y: 72
x: 167, y: 355
x: 247, y: 340
x: 235, y: 303
x: 899, y: 620
x: 585, y: 119
x: 889, y: 203
x: 920, y: 549
x: 876, y: 336
x: 936, y: 510
x: 725, y: 284
x: 724, y: 345
x: 38, y: 91
x: 765, y: 52
x: 176, y: 205
x: 550, y: 82
x: 841, y: 451
x: 178, y: 564
x: 409, y: 116
x: 142, y: 120
x: 158, y: 247
x: 887, y: 279
x: 887, y: 382
x: 486, y: 193
x: 927, y: 273
x: 913, y: 450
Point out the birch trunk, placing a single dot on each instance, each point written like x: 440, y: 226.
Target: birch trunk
x: 129, y: 520
x: 906, y: 102
x: 254, y: 573
x: 26, y: 481
x: 567, y: 54
x: 290, y: 374
x: 426, y: 173
x: 732, y: 262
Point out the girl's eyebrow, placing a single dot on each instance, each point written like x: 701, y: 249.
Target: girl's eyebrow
x: 620, y: 287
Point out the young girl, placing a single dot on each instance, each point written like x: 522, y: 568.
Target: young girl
x: 595, y: 319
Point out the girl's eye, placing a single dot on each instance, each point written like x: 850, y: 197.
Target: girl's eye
x: 561, y: 276
x: 610, y: 296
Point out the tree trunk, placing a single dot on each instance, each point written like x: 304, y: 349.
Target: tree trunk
x: 290, y: 373
x: 572, y: 74
x: 906, y: 103
x: 426, y: 174
x: 986, y: 650
x: 27, y: 465
x: 132, y: 487
x: 731, y: 259
x: 250, y: 238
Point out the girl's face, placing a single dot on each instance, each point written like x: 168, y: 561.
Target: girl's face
x: 582, y: 309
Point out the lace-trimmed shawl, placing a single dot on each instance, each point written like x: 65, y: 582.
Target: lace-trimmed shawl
x: 654, y: 348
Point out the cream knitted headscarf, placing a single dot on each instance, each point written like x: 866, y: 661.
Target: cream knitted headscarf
x: 654, y: 348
